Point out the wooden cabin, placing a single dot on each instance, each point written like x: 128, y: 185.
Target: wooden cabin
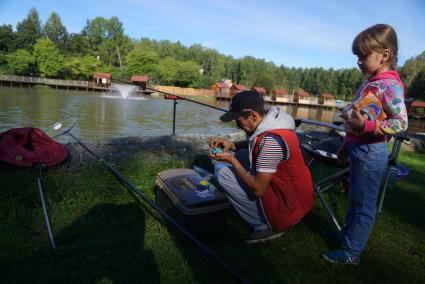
x: 141, y: 81
x: 260, y: 90
x: 417, y: 110
x: 221, y: 90
x: 326, y: 99
x: 282, y: 96
x: 102, y: 79
x: 301, y: 97
x: 235, y: 88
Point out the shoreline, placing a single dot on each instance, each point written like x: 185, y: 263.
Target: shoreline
x: 182, y: 147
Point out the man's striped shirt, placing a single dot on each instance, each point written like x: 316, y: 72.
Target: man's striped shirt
x: 272, y: 150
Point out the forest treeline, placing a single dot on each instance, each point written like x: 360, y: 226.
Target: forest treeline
x: 48, y: 50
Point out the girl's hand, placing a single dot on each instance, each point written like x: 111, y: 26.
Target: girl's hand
x: 356, y: 122
x: 342, y: 155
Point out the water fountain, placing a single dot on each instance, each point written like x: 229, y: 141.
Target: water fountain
x: 124, y: 90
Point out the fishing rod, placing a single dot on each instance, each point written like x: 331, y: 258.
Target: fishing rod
x: 174, y: 95
x: 38, y: 167
x: 121, y: 178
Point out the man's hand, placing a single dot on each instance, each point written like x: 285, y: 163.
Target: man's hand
x: 258, y: 183
x: 226, y: 156
x: 222, y: 143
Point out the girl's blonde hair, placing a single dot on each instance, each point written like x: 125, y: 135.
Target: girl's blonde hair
x: 377, y: 38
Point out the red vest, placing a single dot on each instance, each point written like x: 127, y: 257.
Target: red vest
x: 289, y: 196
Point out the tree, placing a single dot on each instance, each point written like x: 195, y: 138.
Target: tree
x: 20, y: 62
x: 266, y: 81
x: 80, y: 67
x: 55, y: 31
x: 411, y: 68
x: 7, y: 38
x: 49, y: 60
x: 167, y: 71
x: 187, y: 74
x: 104, y: 36
x: 140, y: 61
x: 77, y: 44
x: 417, y: 86
x: 28, y: 31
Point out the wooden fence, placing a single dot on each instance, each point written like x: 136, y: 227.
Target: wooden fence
x: 185, y: 91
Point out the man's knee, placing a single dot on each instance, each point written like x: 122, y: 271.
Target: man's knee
x: 224, y: 176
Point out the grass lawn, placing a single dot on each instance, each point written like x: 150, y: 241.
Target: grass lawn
x: 105, y: 235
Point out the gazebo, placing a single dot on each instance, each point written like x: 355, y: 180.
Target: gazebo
x: 221, y: 90
x: 102, y: 79
x: 260, y: 90
x: 141, y: 81
x: 282, y: 95
x: 301, y: 97
x: 326, y: 99
x: 237, y: 89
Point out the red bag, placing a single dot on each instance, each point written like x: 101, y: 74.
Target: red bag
x: 27, y: 146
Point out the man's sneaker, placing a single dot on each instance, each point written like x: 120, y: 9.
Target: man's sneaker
x: 341, y: 257
x: 334, y: 237
x: 262, y: 236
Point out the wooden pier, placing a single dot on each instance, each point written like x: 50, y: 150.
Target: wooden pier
x: 24, y: 81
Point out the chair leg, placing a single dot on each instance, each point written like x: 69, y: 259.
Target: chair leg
x: 395, y: 152
x: 384, y: 189
x: 327, y: 208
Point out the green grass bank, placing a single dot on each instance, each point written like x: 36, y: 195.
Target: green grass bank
x: 106, y: 235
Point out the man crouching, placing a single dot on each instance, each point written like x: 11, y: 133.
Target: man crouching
x: 268, y: 182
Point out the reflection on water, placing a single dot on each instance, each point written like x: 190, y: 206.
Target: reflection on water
x: 106, y: 116
x: 103, y: 117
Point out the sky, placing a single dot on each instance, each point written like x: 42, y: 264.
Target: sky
x: 291, y: 33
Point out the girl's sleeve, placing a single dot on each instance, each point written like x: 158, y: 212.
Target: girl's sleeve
x: 393, y: 103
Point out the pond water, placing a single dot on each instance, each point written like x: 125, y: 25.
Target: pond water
x: 108, y: 115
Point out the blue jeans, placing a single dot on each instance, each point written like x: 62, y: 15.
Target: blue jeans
x: 368, y: 163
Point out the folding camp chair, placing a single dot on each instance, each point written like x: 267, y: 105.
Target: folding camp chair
x: 392, y: 161
x: 393, y: 157
x: 322, y: 148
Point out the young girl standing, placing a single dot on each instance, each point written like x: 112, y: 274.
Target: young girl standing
x: 365, y: 143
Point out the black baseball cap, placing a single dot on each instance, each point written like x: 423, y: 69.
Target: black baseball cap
x: 243, y: 102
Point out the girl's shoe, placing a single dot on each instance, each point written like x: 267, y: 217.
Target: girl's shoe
x: 341, y: 257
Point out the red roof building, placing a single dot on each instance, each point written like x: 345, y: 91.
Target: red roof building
x: 259, y: 90
x: 281, y: 95
x: 102, y: 79
x: 235, y: 88
x: 141, y: 81
x: 221, y: 89
x: 102, y: 75
x: 301, y: 96
x: 280, y: 92
x: 139, y: 78
x: 327, y: 96
x: 418, y: 104
x: 326, y: 99
x: 417, y: 109
x: 221, y: 85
